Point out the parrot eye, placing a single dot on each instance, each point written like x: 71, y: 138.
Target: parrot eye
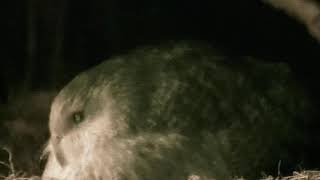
x: 77, y: 117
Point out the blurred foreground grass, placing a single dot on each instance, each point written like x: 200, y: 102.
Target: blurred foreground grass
x: 303, y: 175
x: 14, y: 174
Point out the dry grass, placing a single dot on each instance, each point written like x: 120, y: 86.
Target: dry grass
x: 20, y: 175
x: 13, y: 174
x: 303, y: 175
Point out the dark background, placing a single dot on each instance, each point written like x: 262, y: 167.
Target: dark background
x: 46, y: 43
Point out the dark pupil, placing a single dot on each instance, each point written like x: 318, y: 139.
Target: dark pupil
x: 77, y: 117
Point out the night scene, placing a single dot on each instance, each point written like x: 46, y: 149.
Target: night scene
x: 160, y: 90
